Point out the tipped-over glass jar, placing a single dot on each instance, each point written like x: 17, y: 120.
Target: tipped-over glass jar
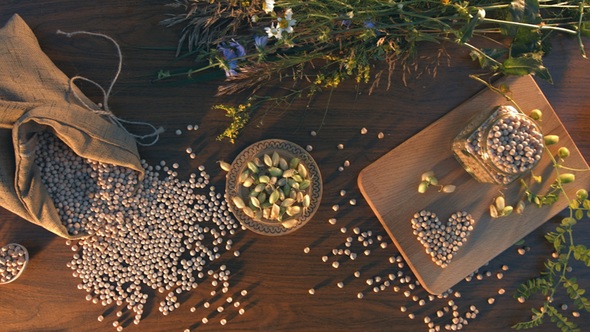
x: 499, y: 146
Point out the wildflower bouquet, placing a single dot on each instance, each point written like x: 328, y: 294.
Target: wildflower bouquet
x: 319, y: 44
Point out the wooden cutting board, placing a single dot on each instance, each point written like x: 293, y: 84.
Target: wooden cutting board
x: 390, y: 187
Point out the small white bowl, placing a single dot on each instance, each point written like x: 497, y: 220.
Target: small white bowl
x: 23, y: 267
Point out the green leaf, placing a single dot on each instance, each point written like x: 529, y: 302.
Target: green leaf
x: 467, y: 30
x: 484, y: 61
x: 560, y: 320
x: 526, y: 64
x: 582, y: 254
x: 579, y: 214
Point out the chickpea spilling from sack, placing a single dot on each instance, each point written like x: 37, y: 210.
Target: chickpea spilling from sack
x: 13, y: 259
x: 157, y: 233
x: 277, y: 189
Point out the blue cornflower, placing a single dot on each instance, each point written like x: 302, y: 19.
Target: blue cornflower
x: 231, y: 52
x: 260, y: 42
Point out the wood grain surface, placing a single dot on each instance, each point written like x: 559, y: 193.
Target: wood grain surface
x: 275, y: 270
x: 389, y: 185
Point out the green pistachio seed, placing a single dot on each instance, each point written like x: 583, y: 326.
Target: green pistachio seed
x: 288, y: 173
x: 293, y: 210
x: 275, y: 159
x: 507, y: 211
x: 423, y: 186
x: 264, y: 179
x: 294, y: 163
x: 267, y: 160
x: 252, y: 167
x: 245, y: 174
x: 274, y: 197
x: 275, y: 171
x: 255, y: 202
x: 248, y: 211
x: 259, y: 188
x: 493, y: 211
x: 302, y: 170
x: 224, y: 165
x: 304, y: 184
x: 283, y: 164
x: 287, y: 202
x: 500, y: 203
x: 306, y: 201
x: 239, y: 202
x: 248, y: 182
x: 289, y: 223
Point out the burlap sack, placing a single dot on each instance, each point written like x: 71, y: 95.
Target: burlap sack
x: 34, y: 96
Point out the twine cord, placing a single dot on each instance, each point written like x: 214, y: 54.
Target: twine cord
x: 105, y: 110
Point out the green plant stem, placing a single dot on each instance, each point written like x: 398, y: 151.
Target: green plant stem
x: 531, y: 26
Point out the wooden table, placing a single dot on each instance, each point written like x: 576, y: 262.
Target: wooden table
x: 275, y: 270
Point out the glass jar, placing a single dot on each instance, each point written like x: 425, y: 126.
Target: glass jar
x: 499, y: 146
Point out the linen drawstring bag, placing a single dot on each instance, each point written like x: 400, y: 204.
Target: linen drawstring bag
x: 36, y: 96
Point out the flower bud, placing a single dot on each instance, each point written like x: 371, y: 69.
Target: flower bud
x: 582, y: 194
x: 536, y: 114
x: 563, y: 152
x: 551, y: 139
x: 566, y: 178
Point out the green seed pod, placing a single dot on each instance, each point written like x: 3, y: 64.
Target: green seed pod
x: 582, y: 194
x: 239, y: 202
x: 274, y: 197
x: 449, y: 188
x: 267, y: 160
x: 248, y: 182
x: 264, y: 179
x: 423, y: 186
x: 563, y: 152
x: 275, y: 159
x: 293, y: 210
x: 294, y: 163
x: 252, y: 167
x: 288, y: 173
x: 289, y: 223
x: 302, y: 170
x: 255, y: 202
x: 245, y: 174
x: 427, y: 175
x: 507, y: 211
x: 551, y: 139
x: 288, y: 202
x: 283, y: 164
x: 304, y: 184
x: 493, y: 211
x: 433, y: 180
x: 306, y: 201
x: 298, y: 178
x: 520, y: 207
x: 259, y: 188
x: 567, y: 178
x: 500, y: 203
x: 224, y: 165
x: 261, y: 197
x: 275, y: 171
x: 248, y: 211
x: 274, y: 211
x: 536, y: 114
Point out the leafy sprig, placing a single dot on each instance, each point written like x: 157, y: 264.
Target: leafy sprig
x: 317, y: 45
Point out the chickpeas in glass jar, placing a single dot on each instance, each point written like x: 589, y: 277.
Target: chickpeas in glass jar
x: 499, y: 146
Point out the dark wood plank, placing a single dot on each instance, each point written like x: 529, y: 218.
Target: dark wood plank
x: 275, y: 270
